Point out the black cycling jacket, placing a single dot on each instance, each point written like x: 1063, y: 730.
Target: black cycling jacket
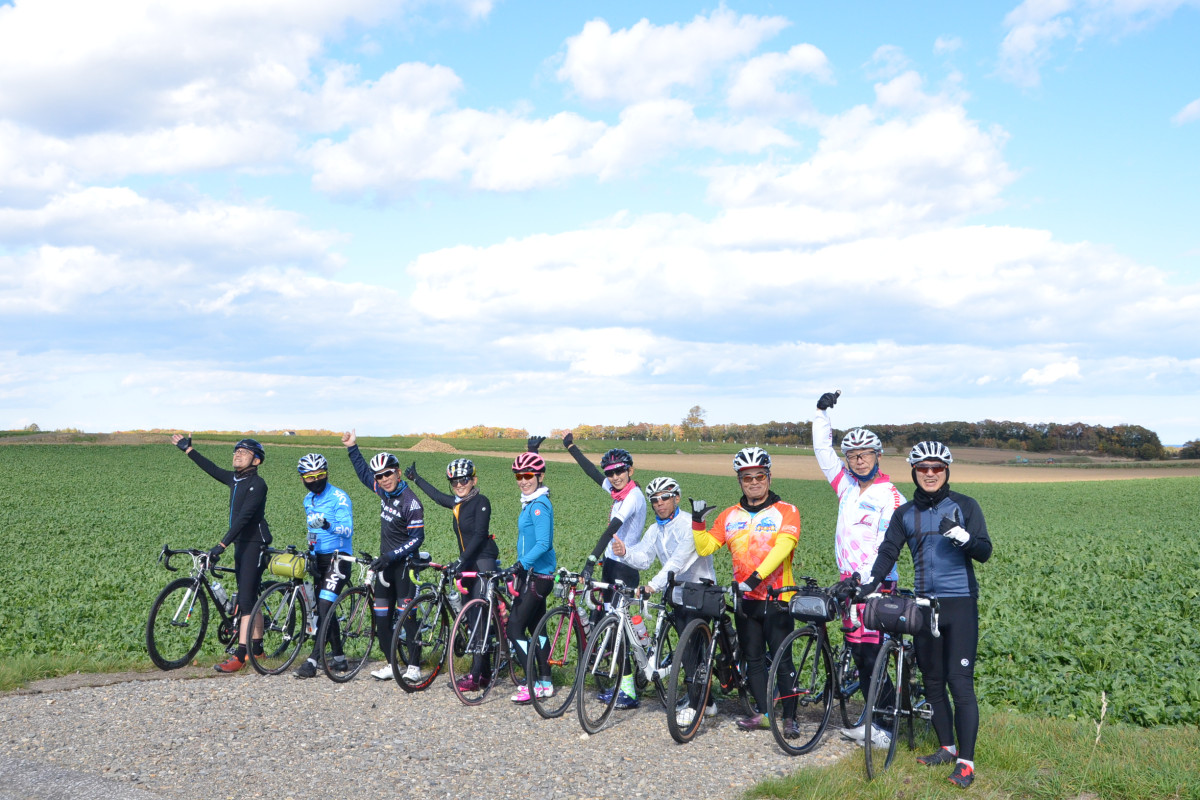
x: 247, y: 501
x: 472, y: 519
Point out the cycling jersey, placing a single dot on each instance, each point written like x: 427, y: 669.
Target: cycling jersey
x: 629, y: 505
x: 760, y: 539
x: 247, y: 502
x: 941, y: 568
x: 863, y: 513
x: 335, y: 506
x: 671, y: 541
x: 535, y: 533
x: 472, y: 519
x: 401, y: 515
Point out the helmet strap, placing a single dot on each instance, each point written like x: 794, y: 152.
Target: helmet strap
x: 870, y: 476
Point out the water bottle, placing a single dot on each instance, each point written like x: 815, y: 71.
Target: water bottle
x: 639, y: 627
x: 455, y: 601
x: 504, y: 614
x: 219, y: 592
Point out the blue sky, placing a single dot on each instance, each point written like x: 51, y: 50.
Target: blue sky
x: 417, y: 216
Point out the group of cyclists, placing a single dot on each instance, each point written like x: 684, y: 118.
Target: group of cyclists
x: 944, y: 530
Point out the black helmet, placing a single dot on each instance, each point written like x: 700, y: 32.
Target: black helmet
x: 616, y: 458
x: 253, y: 446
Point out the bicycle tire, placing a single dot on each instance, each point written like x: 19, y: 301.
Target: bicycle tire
x: 883, y: 711
x: 478, y: 627
x: 692, y: 690
x: 665, y: 647
x: 800, y: 685
x: 285, y: 613
x: 562, y: 631
x: 173, y: 643
x: 851, y: 689
x: 600, y: 673
x: 432, y: 634
x: 356, y: 630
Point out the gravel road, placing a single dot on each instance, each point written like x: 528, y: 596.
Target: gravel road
x: 248, y: 736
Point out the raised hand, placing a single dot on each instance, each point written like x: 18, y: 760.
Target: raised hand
x: 828, y: 400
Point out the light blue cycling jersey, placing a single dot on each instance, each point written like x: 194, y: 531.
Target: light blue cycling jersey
x: 334, y: 505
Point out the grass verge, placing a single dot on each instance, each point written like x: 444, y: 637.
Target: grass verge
x: 19, y: 669
x: 1024, y: 756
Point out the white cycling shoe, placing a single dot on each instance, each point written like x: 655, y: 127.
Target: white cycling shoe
x: 412, y: 674
x: 384, y: 673
x: 855, y: 734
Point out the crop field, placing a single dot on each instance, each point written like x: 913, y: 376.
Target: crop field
x: 1091, y: 588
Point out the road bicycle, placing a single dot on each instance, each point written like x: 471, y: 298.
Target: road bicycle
x: 351, y: 623
x: 710, y: 642
x: 806, y: 675
x: 479, y: 643
x: 179, y: 615
x: 616, y: 637
x: 896, y: 693
x: 422, y: 632
x: 562, y: 632
x: 288, y: 608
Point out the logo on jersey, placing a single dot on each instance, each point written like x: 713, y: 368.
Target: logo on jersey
x: 766, y: 526
x: 740, y: 525
x: 866, y: 520
x: 965, y: 662
x: 416, y: 506
x: 537, y: 512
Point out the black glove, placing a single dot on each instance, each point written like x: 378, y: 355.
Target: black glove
x: 455, y: 566
x: 870, y: 587
x: 700, y: 510
x: 410, y: 472
x: 750, y: 584
x: 588, y: 569
x: 380, y: 564
x: 951, y: 527
x: 184, y: 443
x: 847, y: 587
x: 568, y: 439
x: 214, y: 555
x: 828, y: 400
x: 533, y: 443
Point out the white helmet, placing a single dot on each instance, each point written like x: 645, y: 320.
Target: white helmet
x: 861, y: 439
x: 382, y: 461
x: 929, y: 451
x: 313, y: 462
x: 662, y: 485
x: 751, y: 457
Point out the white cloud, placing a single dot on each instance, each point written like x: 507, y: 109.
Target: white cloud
x: 1189, y: 113
x: 1052, y: 373
x: 758, y: 84
x: 947, y: 44
x: 648, y: 61
x: 887, y: 62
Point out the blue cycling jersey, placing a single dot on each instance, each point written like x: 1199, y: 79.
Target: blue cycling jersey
x: 334, y: 505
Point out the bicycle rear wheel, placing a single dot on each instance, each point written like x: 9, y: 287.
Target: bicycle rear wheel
x: 560, y: 633
x: 177, y: 624
x: 356, y: 634
x: 800, y: 685
x: 284, y: 615
x: 882, y: 719
x: 600, y: 674
x: 688, y: 689
x: 665, y: 647
x: 420, y: 637
x: 850, y: 688
x: 476, y: 647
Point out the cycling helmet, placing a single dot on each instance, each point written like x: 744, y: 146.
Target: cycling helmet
x: 751, y: 457
x: 529, y: 462
x: 382, y: 461
x: 460, y: 468
x: 253, y: 446
x: 615, y: 459
x: 929, y: 451
x: 313, y: 462
x: 861, y: 439
x: 662, y: 485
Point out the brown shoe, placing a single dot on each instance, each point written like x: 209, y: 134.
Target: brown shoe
x: 233, y: 664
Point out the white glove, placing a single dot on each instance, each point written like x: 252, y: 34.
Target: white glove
x: 317, y: 520
x: 952, y: 529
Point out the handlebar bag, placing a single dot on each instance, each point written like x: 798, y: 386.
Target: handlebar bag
x: 894, y: 614
x: 287, y: 565
x: 812, y: 605
x: 705, y: 600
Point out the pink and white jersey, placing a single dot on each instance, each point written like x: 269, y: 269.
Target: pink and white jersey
x: 863, y: 513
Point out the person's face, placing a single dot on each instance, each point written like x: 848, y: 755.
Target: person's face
x: 462, y: 486
x: 931, y: 475
x: 388, y: 478
x: 862, y: 461
x: 756, y: 483
x: 527, y: 482
x: 243, y: 458
x: 664, y: 504
x: 310, y: 478
x: 619, y: 477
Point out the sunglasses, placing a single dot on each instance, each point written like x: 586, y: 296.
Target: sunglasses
x: 309, y: 477
x: 524, y: 476
x: 387, y: 473
x: 662, y: 498
x: 930, y: 469
x: 616, y: 471
x: 760, y: 477
x: 460, y: 481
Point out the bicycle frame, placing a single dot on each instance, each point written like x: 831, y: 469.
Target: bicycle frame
x: 644, y: 655
x: 227, y: 629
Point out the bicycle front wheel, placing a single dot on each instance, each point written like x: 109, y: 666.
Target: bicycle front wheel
x: 800, y: 685
x: 560, y: 635
x: 600, y: 674
x: 177, y: 623
x: 476, y: 650
x: 284, y: 614
x: 355, y: 630
x: 882, y: 719
x: 420, y: 638
x: 665, y: 647
x: 850, y: 687
x: 689, y: 685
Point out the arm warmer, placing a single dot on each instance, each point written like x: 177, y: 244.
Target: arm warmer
x: 614, y: 525
x: 589, y: 468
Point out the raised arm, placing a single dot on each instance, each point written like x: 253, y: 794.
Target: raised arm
x: 588, y: 467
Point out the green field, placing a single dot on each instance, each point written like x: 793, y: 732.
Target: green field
x: 1091, y: 587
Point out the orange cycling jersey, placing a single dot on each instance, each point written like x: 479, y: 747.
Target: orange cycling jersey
x: 761, y: 541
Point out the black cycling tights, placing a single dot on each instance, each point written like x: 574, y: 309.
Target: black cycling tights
x: 528, y: 610
x: 764, y: 626
x: 950, y: 659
